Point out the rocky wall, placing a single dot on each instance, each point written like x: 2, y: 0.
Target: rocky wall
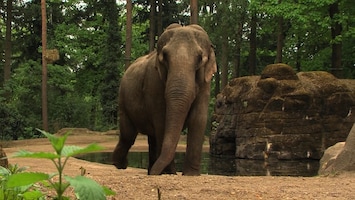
x: 282, y: 114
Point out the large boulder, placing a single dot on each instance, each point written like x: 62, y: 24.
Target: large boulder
x: 282, y: 114
x: 339, y: 157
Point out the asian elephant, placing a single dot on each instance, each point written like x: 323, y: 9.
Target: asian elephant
x: 163, y: 92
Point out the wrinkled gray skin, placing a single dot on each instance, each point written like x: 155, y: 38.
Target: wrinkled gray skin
x: 163, y: 92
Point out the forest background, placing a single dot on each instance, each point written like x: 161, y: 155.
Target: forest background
x: 91, y: 39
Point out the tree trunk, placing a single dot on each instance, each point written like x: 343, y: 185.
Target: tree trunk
x: 160, y: 18
x: 217, y: 78
x: 336, y: 30
x: 193, y: 12
x: 152, y: 25
x: 8, y: 48
x: 238, y: 44
x: 252, y: 44
x: 44, y: 66
x: 298, y: 55
x: 128, y: 33
x: 224, y: 62
x: 280, y: 40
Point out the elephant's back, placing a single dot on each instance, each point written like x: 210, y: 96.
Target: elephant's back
x: 131, y: 85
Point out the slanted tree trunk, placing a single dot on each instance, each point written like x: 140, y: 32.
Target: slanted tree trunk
x: 336, y: 30
x: 193, y: 12
x: 128, y: 33
x: 44, y: 66
x: 152, y: 25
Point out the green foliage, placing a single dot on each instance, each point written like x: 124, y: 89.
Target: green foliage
x: 86, y: 188
x: 12, y: 124
x: 19, y: 184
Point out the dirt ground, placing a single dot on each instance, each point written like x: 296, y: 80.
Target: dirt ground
x: 136, y: 184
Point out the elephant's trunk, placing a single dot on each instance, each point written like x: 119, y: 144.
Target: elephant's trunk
x: 179, y: 94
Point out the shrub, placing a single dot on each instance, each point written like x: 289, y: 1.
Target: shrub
x: 21, y: 184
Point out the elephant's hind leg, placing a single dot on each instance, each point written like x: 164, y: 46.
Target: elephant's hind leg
x: 128, y: 134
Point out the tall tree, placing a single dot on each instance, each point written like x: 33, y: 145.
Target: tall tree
x: 152, y: 24
x: 8, y: 40
x: 160, y: 18
x: 193, y: 12
x: 336, y: 29
x: 110, y: 82
x: 128, y: 33
x: 241, y: 16
x: 280, y: 37
x: 224, y: 61
x: 44, y: 66
x: 252, y: 43
x: 280, y: 40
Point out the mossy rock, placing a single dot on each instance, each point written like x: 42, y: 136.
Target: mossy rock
x: 279, y: 71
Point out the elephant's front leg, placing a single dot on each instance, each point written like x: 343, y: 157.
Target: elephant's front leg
x: 154, y: 152
x: 196, y: 123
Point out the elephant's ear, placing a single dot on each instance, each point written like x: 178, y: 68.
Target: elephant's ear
x: 211, y: 66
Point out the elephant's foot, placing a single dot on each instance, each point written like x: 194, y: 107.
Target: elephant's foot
x: 169, y: 172
x: 121, y: 165
x: 164, y: 172
x: 191, y: 172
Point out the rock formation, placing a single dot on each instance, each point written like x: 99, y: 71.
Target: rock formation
x: 282, y: 114
x: 339, y: 157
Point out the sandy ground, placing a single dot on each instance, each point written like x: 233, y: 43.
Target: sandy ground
x: 135, y: 184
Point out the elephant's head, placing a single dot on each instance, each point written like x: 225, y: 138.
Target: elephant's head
x: 192, y: 44
x: 186, y: 63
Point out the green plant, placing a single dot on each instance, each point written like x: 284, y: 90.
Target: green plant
x: 8, y: 192
x: 85, y: 188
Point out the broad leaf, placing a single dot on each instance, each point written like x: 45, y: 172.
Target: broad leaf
x: 25, y: 178
x: 57, y: 142
x: 69, y: 151
x: 4, y: 171
x: 86, y: 188
x: 35, y: 194
x: 28, y: 154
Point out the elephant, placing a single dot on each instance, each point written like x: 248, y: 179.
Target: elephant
x: 164, y: 92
